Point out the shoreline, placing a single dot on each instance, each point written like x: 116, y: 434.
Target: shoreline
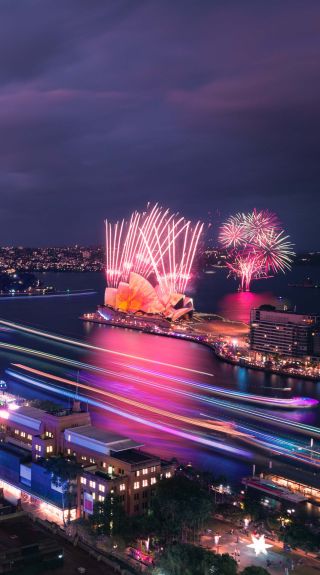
x: 93, y: 318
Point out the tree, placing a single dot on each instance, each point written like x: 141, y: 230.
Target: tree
x: 298, y: 535
x: 253, y: 507
x: 63, y: 474
x: 191, y: 560
x: 180, y: 508
x: 254, y: 570
x: 109, y: 517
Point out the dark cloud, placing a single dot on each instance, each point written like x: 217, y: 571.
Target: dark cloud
x: 198, y: 105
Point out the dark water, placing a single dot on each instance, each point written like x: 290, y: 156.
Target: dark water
x: 214, y: 294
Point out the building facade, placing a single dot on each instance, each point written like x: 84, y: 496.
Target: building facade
x: 284, y: 332
x: 110, y: 463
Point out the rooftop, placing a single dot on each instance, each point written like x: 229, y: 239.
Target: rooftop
x: 112, y: 440
x: 134, y: 456
x: 28, y: 411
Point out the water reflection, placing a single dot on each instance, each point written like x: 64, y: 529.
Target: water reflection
x: 237, y: 306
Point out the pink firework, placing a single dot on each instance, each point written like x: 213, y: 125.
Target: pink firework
x: 275, y: 252
x: 233, y: 232
x: 153, y: 242
x: 257, y: 246
x: 246, y: 266
x: 257, y: 224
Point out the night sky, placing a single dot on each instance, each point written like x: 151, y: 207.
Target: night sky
x: 200, y: 105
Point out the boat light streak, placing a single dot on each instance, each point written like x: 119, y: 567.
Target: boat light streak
x: 75, y: 342
x: 168, y: 429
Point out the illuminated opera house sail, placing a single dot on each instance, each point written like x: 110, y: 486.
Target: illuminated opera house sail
x: 149, y: 261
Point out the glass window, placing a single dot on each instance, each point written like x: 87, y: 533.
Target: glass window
x: 136, y: 485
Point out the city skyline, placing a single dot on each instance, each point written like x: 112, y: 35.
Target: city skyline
x: 205, y: 106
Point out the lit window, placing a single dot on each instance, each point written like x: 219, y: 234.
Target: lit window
x: 83, y: 457
x: 110, y: 469
x: 137, y: 473
x: 93, y: 495
x: 38, y: 447
x: 101, y: 497
x: 122, y: 487
x: 136, y: 485
x: 168, y: 474
x: 69, y: 451
x: 23, y: 433
x: 145, y: 483
x: 153, y: 469
x: 83, y: 480
x: 16, y: 431
x: 92, y: 460
x: 29, y: 437
x: 49, y: 449
x: 153, y: 480
x: 92, y: 484
x: 102, y: 488
x: 68, y: 437
x: 144, y: 472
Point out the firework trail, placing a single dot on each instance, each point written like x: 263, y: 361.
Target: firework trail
x: 152, y: 242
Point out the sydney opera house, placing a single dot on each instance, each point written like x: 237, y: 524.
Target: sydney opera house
x: 149, y: 261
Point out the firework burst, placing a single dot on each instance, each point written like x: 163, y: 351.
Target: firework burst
x: 257, y: 247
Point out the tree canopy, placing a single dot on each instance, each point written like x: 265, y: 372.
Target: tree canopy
x: 191, y: 560
x: 254, y: 570
x: 109, y: 516
x: 180, y: 507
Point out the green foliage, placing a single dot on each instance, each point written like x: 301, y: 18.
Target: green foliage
x: 297, y: 535
x: 63, y: 474
x: 180, y: 507
x: 46, y: 405
x: 254, y: 508
x: 63, y: 470
x: 192, y: 560
x: 109, y: 517
x: 254, y: 570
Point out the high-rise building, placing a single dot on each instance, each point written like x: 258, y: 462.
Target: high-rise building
x: 284, y: 332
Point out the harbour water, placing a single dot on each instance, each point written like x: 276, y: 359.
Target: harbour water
x: 163, y: 366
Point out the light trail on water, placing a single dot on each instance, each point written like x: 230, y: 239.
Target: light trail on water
x: 291, y: 403
x: 81, y: 344
x: 265, y: 441
x: 168, y: 429
x: 227, y: 428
